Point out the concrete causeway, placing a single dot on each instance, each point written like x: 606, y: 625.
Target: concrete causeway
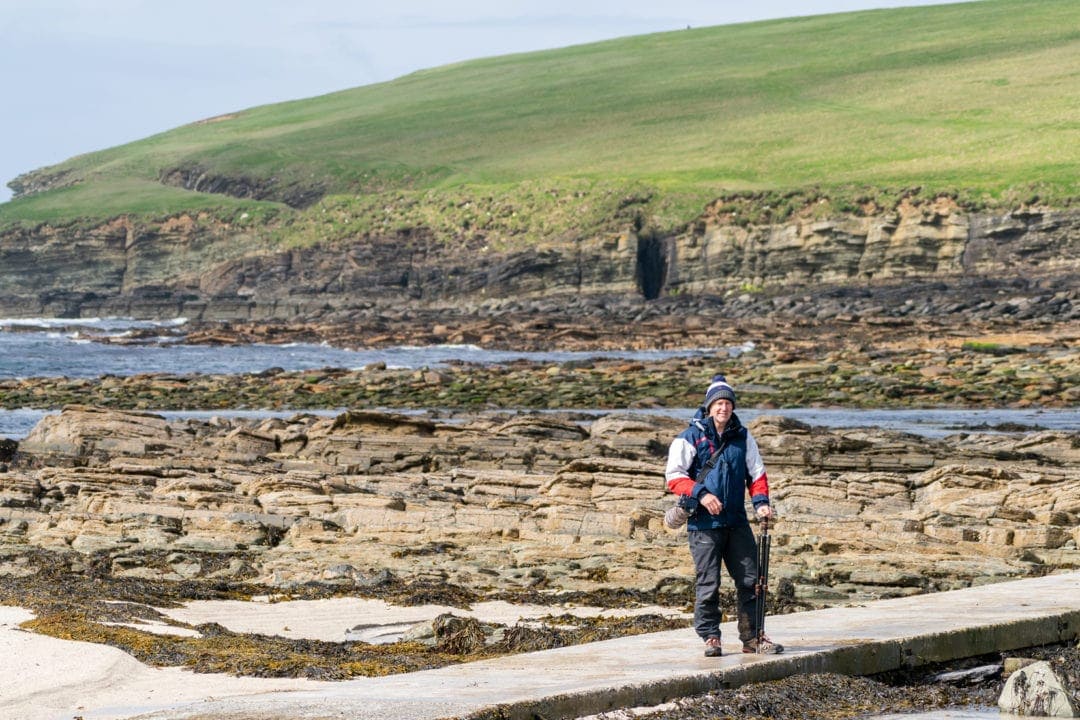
x: 650, y: 669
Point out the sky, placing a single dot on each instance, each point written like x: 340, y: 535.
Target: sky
x: 84, y: 75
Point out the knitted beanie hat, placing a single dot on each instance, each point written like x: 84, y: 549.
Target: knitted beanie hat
x: 718, y: 389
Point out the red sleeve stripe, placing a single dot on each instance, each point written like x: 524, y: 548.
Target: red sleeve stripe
x: 680, y: 485
x: 760, y: 486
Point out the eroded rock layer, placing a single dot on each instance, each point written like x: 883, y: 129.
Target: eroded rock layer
x: 207, y: 268
x: 548, y: 501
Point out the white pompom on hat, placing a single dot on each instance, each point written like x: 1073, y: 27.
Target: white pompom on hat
x: 717, y: 390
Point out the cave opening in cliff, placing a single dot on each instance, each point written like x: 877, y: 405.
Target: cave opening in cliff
x: 651, y: 266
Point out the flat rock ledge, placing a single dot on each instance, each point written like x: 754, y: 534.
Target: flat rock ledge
x: 496, y: 501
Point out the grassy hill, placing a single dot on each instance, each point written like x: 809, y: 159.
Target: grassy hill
x: 978, y: 99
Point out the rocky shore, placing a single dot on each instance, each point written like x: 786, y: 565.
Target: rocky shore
x: 910, y: 307
x: 774, y: 363
x: 551, y: 508
x: 973, y: 343
x: 108, y: 510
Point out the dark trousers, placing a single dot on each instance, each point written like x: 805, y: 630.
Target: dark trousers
x: 737, y: 549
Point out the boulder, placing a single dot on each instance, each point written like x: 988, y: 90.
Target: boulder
x: 1038, y: 691
x: 81, y: 432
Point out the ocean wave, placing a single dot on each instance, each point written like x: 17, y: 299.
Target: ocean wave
x: 106, y: 324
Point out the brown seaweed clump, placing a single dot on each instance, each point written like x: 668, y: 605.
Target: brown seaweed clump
x: 829, y: 696
x: 77, y: 597
x: 824, y: 696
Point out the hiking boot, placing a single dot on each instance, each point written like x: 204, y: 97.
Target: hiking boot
x: 676, y: 517
x: 763, y: 647
x: 712, y: 646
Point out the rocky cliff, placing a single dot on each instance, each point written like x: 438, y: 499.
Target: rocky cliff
x: 206, y: 268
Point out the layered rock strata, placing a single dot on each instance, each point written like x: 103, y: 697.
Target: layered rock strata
x: 502, y: 501
x: 209, y: 269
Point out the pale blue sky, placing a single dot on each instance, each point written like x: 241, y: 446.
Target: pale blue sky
x: 82, y: 75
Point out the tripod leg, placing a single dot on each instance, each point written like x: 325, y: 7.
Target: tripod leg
x: 762, y: 583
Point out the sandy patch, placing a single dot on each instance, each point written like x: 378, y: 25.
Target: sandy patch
x: 371, y: 621
x: 43, y: 678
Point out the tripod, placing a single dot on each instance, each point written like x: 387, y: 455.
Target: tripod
x: 761, y: 587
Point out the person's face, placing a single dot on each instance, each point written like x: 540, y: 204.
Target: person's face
x: 720, y: 411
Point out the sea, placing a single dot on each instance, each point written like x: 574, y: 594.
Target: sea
x: 60, y: 347
x: 86, y: 348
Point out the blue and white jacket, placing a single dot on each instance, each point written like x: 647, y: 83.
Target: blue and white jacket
x: 739, y: 470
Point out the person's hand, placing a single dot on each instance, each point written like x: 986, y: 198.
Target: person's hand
x: 711, y: 503
x: 765, y: 511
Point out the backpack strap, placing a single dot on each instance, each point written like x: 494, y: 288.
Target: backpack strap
x: 711, y: 462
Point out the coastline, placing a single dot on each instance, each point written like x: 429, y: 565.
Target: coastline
x: 1041, y: 376
x: 929, y: 422
x: 907, y: 366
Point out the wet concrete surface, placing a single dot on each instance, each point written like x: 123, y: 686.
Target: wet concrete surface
x: 650, y: 669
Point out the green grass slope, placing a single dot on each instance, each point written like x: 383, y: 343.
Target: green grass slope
x: 976, y: 98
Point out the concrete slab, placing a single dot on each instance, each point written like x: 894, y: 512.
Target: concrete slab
x: 650, y: 669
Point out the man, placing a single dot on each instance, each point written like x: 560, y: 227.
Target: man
x: 712, y: 465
